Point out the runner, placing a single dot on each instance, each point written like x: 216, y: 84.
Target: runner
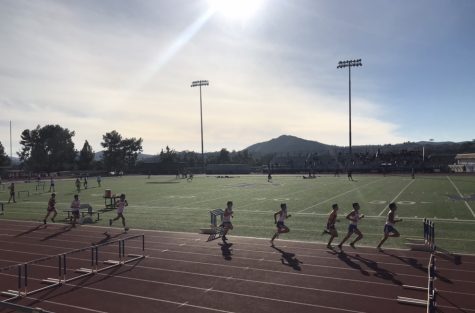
x: 121, y: 204
x: 227, y: 225
x: 330, y: 229
x: 354, y: 217
x: 281, y: 228
x: 75, y: 205
x: 12, y: 192
x: 51, y: 208
x: 389, y: 230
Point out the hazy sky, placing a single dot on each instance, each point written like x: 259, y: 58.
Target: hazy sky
x: 95, y: 66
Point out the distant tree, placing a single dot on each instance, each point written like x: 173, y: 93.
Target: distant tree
x: 242, y: 157
x: 4, y: 159
x: 49, y: 148
x: 131, y: 148
x: 168, y: 156
x: 223, y: 156
x: 467, y: 147
x: 191, y: 158
x: 86, y: 156
x: 120, y: 154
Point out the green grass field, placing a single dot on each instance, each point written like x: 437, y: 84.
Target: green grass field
x: 166, y: 203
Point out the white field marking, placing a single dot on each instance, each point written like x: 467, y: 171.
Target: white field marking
x: 65, y: 305
x: 337, y: 196
x: 461, y: 196
x: 387, y: 205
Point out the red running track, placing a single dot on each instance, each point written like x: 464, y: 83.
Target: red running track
x: 184, y: 273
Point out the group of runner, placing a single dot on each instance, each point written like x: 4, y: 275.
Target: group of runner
x: 354, y: 217
x: 75, y: 210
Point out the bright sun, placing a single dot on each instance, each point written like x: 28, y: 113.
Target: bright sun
x: 236, y: 9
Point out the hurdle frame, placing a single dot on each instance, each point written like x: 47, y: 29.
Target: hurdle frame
x: 22, y: 268
x: 431, y: 301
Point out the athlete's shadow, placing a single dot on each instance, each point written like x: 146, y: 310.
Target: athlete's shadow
x: 26, y: 232
x: 380, y: 272
x: 289, y: 259
x: 56, y: 234
x: 107, y: 238
x: 347, y: 259
x: 409, y: 261
x: 225, y: 251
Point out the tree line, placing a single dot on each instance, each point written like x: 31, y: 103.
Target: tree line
x: 50, y: 149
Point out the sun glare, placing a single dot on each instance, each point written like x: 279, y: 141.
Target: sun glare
x: 236, y: 9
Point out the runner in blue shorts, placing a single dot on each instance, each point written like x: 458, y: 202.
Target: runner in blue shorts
x: 389, y: 229
x: 354, y: 217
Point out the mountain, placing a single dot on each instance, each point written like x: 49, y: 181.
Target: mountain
x: 292, y: 145
x: 289, y: 144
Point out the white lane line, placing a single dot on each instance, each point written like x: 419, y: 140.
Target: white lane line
x: 387, y: 205
x: 461, y: 196
x: 222, y: 292
x: 66, y: 305
x: 337, y: 196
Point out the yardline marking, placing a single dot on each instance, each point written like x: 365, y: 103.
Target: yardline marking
x: 461, y: 196
x: 387, y: 205
x: 339, y: 195
x: 283, y: 195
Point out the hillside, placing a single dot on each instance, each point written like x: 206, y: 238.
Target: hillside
x: 289, y: 144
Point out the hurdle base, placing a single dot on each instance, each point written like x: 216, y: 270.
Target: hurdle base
x: 419, y: 247
x: 51, y: 281
x: 414, y: 287
x: 11, y: 293
x: 411, y: 301
x: 83, y: 270
x: 112, y: 262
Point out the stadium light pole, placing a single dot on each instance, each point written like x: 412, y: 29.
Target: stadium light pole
x: 199, y: 83
x: 349, y: 64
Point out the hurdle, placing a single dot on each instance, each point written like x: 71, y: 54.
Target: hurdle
x: 429, y: 234
x: 215, y: 231
x: 40, y: 186
x: 20, y: 192
x: 431, y: 301
x: 23, y: 271
x: 427, y: 242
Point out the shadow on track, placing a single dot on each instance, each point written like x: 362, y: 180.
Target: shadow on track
x: 289, y: 259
